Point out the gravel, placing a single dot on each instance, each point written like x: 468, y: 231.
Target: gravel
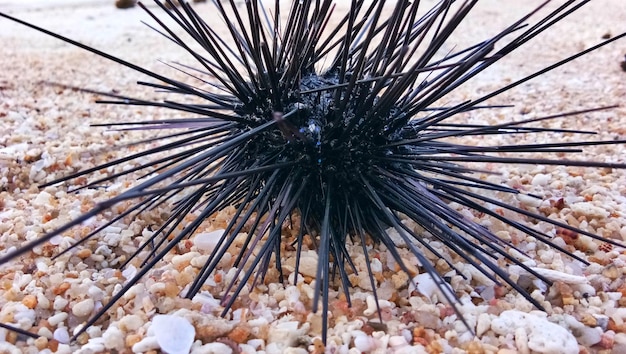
x: 45, y: 134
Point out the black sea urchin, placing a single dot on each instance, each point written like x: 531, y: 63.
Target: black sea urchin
x: 340, y: 128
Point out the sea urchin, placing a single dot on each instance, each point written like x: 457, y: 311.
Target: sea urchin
x: 335, y: 131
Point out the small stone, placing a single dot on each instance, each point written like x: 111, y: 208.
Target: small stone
x: 130, y: 323
x: 132, y: 339
x: 475, y: 347
x: 590, y: 336
x: 146, y: 344
x: 529, y: 200
x: 62, y: 335
x: 589, y: 210
x: 206, y: 241
x: 308, y: 265
x: 113, y: 338
x: 174, y: 334
x: 521, y: 341
x: 29, y: 301
x: 82, y: 338
x: 53, y: 345
x: 570, y: 300
x: 59, y: 290
x: 171, y: 290
x: 542, y: 335
x: 42, y: 301
x: 6, y: 347
x: 240, y: 334
x: 84, y: 253
x: 83, y: 308
x: 611, y: 272
x: 427, y: 286
x: 42, y: 199
x: 41, y: 343
x: 364, y: 343
x: 619, y: 344
x: 602, y: 321
x: 125, y: 4
x: 588, y: 320
x: 608, y: 340
x: 397, y: 341
x: 213, y: 348
x: 57, y: 318
x: 483, y: 323
x: 541, y: 179
x: 400, y: 280
x: 59, y: 303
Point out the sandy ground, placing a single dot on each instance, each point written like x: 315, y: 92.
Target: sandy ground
x: 45, y: 125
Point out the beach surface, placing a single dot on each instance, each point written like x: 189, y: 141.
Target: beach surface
x: 45, y: 134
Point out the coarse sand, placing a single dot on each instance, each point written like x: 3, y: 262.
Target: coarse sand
x: 45, y: 133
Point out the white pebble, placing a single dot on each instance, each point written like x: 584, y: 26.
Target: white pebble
x: 56, y: 240
x: 207, y: 241
x: 482, y: 324
x: 129, y: 272
x: 43, y: 199
x: 397, y: 341
x: 285, y: 334
x: 292, y: 295
x: 94, y: 345
x: 376, y: 265
x: 293, y: 350
x: 146, y: 344
x: 59, y: 303
x: 113, y: 338
x: 95, y: 293
x: 427, y: 286
x: 395, y: 237
x: 245, y: 349
x: 42, y: 301
x: 174, y: 334
x: 61, y: 335
x: 58, y: 318
x: 528, y: 200
x: 212, y: 348
x: 83, y: 308
x: 521, y: 341
x: 554, y: 275
x: 131, y: 322
x: 64, y: 349
x: 93, y: 331
x: 184, y: 259
x: 590, y: 336
x: 364, y: 343
x: 24, y: 314
x: 42, y: 267
x: 541, y: 179
x: 308, y: 264
x: 6, y: 347
x: 257, y: 344
x: 543, y: 335
x: 44, y: 332
x: 209, y: 303
x: 590, y: 210
x: 371, y: 305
